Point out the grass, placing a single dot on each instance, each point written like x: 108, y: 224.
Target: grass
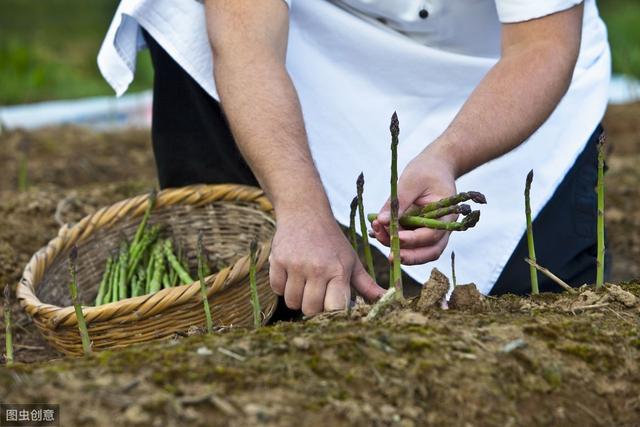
x: 622, y: 18
x: 48, y: 50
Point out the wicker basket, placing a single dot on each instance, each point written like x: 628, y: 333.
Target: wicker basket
x: 231, y: 217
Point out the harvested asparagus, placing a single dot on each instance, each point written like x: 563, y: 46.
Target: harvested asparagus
x: 417, y: 222
x: 8, y: 335
x: 175, y: 264
x: 102, y: 289
x: 462, y: 209
x: 73, y: 288
x: 532, y: 250
x: 255, y: 300
x: 352, y: 224
x: 137, y: 254
x: 156, y: 280
x: 451, y: 201
x: 123, y: 262
x: 600, y: 221
x: 368, y: 257
x: 203, y: 290
x: 153, y: 195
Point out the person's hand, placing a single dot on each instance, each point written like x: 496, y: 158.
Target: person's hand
x: 427, y: 178
x: 312, y: 264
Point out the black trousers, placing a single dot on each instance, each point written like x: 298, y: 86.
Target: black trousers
x: 192, y: 143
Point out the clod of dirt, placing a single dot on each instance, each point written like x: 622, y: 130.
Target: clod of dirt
x: 624, y: 297
x: 434, y: 291
x: 467, y: 298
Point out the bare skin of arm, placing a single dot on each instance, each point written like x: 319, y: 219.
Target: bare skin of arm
x: 312, y: 263
x: 512, y: 102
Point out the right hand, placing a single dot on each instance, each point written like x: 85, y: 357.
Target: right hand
x: 312, y: 264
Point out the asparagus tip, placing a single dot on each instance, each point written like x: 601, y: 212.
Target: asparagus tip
x: 395, y: 124
x: 602, y: 139
x: 477, y: 197
x: 200, y: 241
x: 153, y: 196
x: 7, y: 296
x: 529, y: 178
x: 73, y: 255
x: 453, y: 256
x: 354, y: 204
x: 253, y: 248
x: 471, y: 220
x: 464, y: 209
x: 360, y: 182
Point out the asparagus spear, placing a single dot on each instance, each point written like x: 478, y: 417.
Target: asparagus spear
x: 123, y: 261
x: 175, y: 264
x: 352, y: 224
x: 532, y: 250
x: 158, y: 270
x: 396, y: 273
x: 203, y: 290
x: 453, y: 268
x: 450, y: 201
x: 255, y: 300
x: 136, y: 255
x: 102, y: 289
x: 8, y: 336
x: 143, y: 224
x: 140, y: 282
x: 115, y: 280
x: 462, y: 209
x: 363, y: 228
x: 73, y: 288
x: 600, y: 221
x: 417, y: 221
x: 165, y: 281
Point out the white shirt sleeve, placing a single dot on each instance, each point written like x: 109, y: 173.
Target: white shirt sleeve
x: 524, y: 10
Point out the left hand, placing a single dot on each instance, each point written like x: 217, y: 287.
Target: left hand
x: 427, y: 178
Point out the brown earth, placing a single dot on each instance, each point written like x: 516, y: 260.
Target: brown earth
x: 550, y: 360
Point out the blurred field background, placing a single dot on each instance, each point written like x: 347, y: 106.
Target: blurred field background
x: 48, y: 47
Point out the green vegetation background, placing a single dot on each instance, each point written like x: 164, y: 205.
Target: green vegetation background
x: 48, y: 47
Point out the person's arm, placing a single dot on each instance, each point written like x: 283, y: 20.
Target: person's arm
x: 513, y: 100
x: 312, y: 263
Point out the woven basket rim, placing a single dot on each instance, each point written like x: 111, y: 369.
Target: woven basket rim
x: 130, y: 208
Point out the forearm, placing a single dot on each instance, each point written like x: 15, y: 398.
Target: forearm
x: 265, y: 117
x: 249, y: 44
x: 516, y: 97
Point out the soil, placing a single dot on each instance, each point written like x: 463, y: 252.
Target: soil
x: 555, y: 359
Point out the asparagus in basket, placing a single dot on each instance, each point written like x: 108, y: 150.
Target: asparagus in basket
x: 143, y: 265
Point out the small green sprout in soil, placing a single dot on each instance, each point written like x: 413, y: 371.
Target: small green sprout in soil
x: 532, y: 250
x: 600, y: 221
x: 73, y: 288
x: 255, y: 299
x: 363, y: 228
x: 352, y: 224
x: 453, y: 269
x: 203, y: 289
x: 395, y: 276
x: 8, y: 337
